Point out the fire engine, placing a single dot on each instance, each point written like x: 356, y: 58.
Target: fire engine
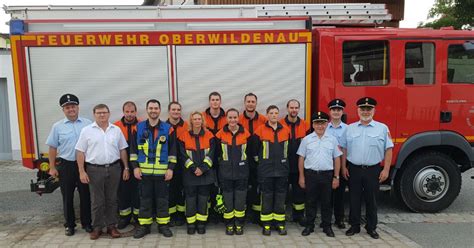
x: 422, y: 79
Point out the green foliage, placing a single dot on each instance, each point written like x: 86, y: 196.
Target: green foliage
x: 454, y: 13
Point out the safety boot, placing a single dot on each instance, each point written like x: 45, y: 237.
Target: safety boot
x: 266, y: 230
x: 282, y: 230
x: 239, y: 230
x: 141, y: 231
x: 229, y: 230
x: 165, y: 230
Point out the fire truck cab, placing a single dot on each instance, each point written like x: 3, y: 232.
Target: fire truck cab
x: 423, y: 82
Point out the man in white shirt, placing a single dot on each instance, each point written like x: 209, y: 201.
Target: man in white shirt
x: 100, y: 147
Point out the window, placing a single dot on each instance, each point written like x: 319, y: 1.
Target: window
x: 419, y: 63
x: 365, y: 63
x: 461, y: 63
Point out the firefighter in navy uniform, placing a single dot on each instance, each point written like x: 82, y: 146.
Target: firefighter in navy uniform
x: 298, y: 129
x: 196, y: 148
x: 154, y: 166
x: 177, y: 208
x: 129, y: 201
x: 234, y: 171
x: 273, y: 170
x: 250, y: 119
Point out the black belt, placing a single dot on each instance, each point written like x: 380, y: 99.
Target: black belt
x: 363, y: 166
x: 318, y: 171
x: 104, y: 165
x: 67, y: 161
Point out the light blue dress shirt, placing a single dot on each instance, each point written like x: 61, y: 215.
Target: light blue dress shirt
x: 319, y: 153
x: 337, y: 132
x: 64, y: 135
x: 366, y: 145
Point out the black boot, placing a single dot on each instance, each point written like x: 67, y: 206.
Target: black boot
x: 307, y: 231
x: 191, y: 229
x: 267, y: 231
x: 165, y: 230
x: 282, y: 229
x: 298, y: 217
x: 141, y: 231
x: 239, y: 230
x: 179, y: 219
x: 229, y: 230
x: 201, y: 227
x: 123, y: 222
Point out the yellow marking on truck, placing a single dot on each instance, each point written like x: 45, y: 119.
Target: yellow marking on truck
x: 16, y: 75
x: 308, y: 81
x: 399, y: 140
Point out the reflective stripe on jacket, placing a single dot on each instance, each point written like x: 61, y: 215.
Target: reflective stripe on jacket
x: 232, y: 149
x: 156, y: 148
x: 272, y: 151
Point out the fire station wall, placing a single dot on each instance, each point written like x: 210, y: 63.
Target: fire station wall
x: 6, y: 73
x: 275, y: 73
x: 110, y: 75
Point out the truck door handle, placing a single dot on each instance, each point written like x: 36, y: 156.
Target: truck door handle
x: 446, y: 116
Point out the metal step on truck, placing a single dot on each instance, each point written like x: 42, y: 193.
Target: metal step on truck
x: 423, y: 79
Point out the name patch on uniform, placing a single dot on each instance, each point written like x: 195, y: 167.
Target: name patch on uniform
x: 241, y: 163
x: 283, y: 160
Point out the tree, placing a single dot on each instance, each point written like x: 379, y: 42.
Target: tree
x: 456, y: 13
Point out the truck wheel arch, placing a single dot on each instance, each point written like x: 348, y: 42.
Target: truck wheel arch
x: 435, y: 139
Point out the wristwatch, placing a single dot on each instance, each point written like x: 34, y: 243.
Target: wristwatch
x: 336, y: 177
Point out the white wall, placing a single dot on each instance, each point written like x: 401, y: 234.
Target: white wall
x: 6, y: 71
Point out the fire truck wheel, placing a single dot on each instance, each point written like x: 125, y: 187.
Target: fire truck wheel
x: 430, y: 182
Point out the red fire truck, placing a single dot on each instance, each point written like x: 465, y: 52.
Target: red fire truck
x: 422, y: 79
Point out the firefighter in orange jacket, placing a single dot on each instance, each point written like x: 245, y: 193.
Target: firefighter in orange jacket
x: 196, y: 148
x: 273, y: 169
x: 298, y: 129
x: 129, y: 201
x: 234, y: 171
x: 214, y: 117
x: 250, y: 119
x: 176, y: 194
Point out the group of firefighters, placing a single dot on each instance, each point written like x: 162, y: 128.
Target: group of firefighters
x: 220, y: 162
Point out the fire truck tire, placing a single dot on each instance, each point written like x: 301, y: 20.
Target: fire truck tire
x: 429, y: 182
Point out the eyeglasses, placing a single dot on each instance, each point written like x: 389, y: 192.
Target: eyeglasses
x: 101, y: 113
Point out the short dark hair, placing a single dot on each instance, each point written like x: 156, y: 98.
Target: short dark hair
x: 100, y: 106
x: 232, y: 110
x: 129, y: 103
x: 272, y: 107
x: 293, y: 100
x: 153, y: 101
x: 214, y: 93
x: 174, y: 102
x: 250, y: 94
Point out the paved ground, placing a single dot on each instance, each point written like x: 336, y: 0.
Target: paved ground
x: 27, y: 220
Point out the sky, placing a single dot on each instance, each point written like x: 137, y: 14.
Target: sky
x: 415, y: 10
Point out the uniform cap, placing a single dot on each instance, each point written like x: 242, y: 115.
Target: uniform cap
x: 320, y: 116
x: 68, y: 99
x: 336, y: 103
x: 367, y: 102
